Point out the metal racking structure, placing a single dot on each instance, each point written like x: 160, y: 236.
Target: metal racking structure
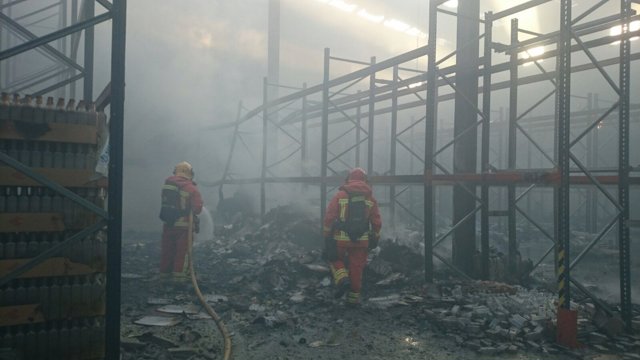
x: 320, y: 116
x: 65, y: 123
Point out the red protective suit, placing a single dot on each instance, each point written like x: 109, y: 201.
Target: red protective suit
x: 355, y: 252
x: 175, y: 238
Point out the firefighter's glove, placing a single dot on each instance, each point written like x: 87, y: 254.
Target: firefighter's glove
x: 196, y: 224
x: 330, y: 252
x: 374, y: 239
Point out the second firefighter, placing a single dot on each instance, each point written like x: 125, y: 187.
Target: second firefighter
x: 351, y: 227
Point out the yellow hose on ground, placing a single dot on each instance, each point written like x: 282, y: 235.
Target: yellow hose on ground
x: 210, y: 311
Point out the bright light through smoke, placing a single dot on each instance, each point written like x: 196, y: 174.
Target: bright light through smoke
x: 617, y: 30
x: 532, y: 52
x: 371, y: 17
x: 451, y: 4
x: 393, y: 24
x: 396, y: 25
x: 344, y: 6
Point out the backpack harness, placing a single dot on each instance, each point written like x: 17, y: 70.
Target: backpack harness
x: 356, y: 222
x: 174, y: 203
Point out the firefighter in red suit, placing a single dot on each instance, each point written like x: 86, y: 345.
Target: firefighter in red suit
x: 341, y: 246
x: 180, y: 198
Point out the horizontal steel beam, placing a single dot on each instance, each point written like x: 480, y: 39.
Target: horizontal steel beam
x: 58, y: 85
x: 524, y: 177
x: 581, y: 29
x: 11, y: 4
x: 332, y: 180
x: 31, y: 37
x: 362, y: 73
x: 43, y: 40
x: 359, y: 100
x: 518, y: 8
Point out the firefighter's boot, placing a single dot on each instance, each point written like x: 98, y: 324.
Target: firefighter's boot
x: 342, y: 287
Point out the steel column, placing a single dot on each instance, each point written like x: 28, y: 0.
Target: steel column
x: 563, y: 114
x: 273, y: 73
x: 5, y: 42
x: 370, y: 129
x: 116, y: 143
x: 594, y: 211
x: 358, y: 132
x: 234, y: 138
x: 430, y: 139
x: 412, y: 199
x: 74, y: 50
x: 62, y: 42
x: 273, y: 51
x: 265, y: 138
x: 511, y: 147
x: 88, y: 53
x: 303, y: 134
x: 591, y: 153
x: 465, y: 127
x: 393, y: 145
x: 624, y: 167
x: 325, y: 135
x: 486, y: 123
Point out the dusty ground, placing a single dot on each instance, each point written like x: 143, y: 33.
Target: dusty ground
x: 269, y: 287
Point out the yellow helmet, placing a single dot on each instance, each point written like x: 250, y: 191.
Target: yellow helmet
x: 184, y: 169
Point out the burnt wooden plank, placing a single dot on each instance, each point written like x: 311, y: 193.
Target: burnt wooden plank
x: 65, y: 177
x: 57, y: 132
x: 31, y: 222
x: 52, y: 267
x: 20, y: 314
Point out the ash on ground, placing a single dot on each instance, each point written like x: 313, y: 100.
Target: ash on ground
x: 273, y: 291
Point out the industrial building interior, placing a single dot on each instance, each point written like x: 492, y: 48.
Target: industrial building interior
x: 500, y: 139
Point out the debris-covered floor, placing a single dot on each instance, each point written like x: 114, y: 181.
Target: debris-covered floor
x: 272, y: 289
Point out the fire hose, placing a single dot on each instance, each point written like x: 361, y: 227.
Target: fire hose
x: 208, y: 308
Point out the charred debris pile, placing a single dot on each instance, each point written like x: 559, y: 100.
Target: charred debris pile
x: 260, y: 277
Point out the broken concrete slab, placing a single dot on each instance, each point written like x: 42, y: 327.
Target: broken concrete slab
x: 393, y: 278
x: 489, y: 351
x: 158, y: 321
x: 297, y: 298
x: 318, y: 268
x: 190, y: 309
x: 214, y: 298
x: 518, y: 321
x: 158, y: 301
x: 384, y: 302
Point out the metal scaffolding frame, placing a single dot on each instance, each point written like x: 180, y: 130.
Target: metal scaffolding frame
x: 571, y: 30
x: 333, y: 107
x: 66, y: 73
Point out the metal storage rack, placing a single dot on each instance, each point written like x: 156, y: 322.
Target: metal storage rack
x: 316, y: 117
x: 60, y: 267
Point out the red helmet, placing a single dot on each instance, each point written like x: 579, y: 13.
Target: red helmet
x: 357, y: 174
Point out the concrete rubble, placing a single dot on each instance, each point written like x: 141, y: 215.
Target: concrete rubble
x: 271, y: 287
